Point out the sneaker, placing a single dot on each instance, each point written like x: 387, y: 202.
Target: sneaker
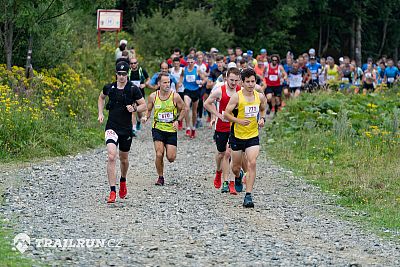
x: 199, y: 123
x: 239, y: 183
x: 123, y: 191
x: 232, y: 189
x: 188, y: 132
x: 138, y: 125
x: 193, y: 134
x: 180, y: 125
x: 268, y: 111
x: 273, y: 109
x: 248, y: 202
x: 160, y: 181
x: 112, y: 197
x: 225, y: 187
x: 217, y: 179
x: 134, y: 132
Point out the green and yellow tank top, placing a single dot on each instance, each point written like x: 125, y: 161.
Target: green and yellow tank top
x: 247, y: 110
x: 332, y: 74
x: 165, y: 113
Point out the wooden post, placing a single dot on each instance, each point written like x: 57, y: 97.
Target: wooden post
x: 98, y: 38
x: 116, y: 39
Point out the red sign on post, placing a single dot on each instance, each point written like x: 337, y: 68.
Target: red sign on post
x: 108, y: 20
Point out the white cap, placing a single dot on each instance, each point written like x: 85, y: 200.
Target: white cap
x: 341, y: 59
x: 123, y: 42
x: 212, y: 50
x: 232, y: 65
x: 311, y: 51
x: 245, y: 54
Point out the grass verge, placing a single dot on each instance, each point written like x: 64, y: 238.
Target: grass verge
x: 349, y: 145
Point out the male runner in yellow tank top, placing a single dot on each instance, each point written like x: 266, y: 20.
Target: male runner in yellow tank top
x: 249, y: 116
x: 169, y: 109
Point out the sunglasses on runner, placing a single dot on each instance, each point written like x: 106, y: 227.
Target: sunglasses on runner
x: 122, y: 73
x: 132, y: 63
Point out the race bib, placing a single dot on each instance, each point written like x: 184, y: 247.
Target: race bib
x: 314, y: 76
x: 165, y: 116
x: 110, y: 134
x: 191, y: 78
x: 330, y: 77
x: 224, y: 120
x: 390, y: 80
x: 273, y: 78
x: 345, y: 80
x: 251, y: 111
x: 368, y: 75
x: 295, y: 81
x: 137, y: 83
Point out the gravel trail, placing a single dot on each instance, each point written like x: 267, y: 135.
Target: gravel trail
x: 187, y: 222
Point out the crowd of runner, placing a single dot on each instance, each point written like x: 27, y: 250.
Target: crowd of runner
x: 234, y: 92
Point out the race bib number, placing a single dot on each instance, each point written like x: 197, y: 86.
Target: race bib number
x: 191, y: 78
x: 165, y: 116
x: 330, y: 77
x: 273, y: 78
x: 314, y: 76
x: 224, y: 120
x: 110, y: 134
x: 345, y: 80
x: 251, y: 111
x: 390, y: 80
x: 137, y: 83
x: 368, y: 75
x: 295, y: 81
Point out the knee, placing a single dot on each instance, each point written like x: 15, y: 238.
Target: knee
x: 159, y: 154
x: 171, y: 158
x: 251, y: 164
x: 112, y: 157
x: 236, y: 169
x: 221, y: 155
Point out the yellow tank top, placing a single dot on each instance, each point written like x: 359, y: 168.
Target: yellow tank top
x: 164, y: 113
x: 247, y: 110
x: 332, y: 73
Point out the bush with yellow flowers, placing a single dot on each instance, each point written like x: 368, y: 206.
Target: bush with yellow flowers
x: 43, y: 112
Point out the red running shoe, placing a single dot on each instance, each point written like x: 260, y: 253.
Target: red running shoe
x: 273, y: 109
x: 180, y: 125
x: 232, y: 189
x: 122, y: 190
x: 193, y: 134
x: 188, y: 132
x: 217, y: 179
x: 112, y: 197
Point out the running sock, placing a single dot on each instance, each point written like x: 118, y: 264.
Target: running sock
x: 113, y: 188
x: 160, y: 177
x: 122, y: 179
x: 248, y: 194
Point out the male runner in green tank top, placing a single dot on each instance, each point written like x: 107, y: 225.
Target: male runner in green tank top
x: 169, y: 109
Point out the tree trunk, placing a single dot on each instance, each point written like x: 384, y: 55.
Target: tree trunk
x: 8, y: 41
x: 384, y: 31
x: 353, y: 39
x: 327, y: 41
x: 28, y: 66
x: 358, y: 42
x: 320, y: 39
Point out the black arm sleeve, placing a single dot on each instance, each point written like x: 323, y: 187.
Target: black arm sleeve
x: 106, y: 89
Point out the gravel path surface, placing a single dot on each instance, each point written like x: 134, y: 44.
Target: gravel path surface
x: 187, y: 222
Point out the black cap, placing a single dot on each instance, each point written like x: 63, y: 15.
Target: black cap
x: 122, y: 66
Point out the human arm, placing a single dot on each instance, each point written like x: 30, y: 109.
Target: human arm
x: 100, y: 105
x: 150, y: 104
x: 181, y: 106
x: 263, y: 110
x: 209, y: 104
